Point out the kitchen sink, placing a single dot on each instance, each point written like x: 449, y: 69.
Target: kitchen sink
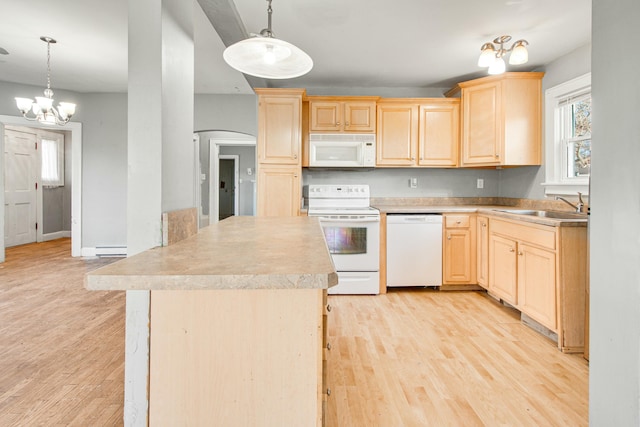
x: 546, y: 214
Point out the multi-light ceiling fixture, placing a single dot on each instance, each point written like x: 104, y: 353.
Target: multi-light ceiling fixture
x: 492, y: 55
x: 263, y: 55
x: 42, y: 109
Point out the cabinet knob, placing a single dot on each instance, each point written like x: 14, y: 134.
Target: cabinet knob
x: 449, y: 237
x: 458, y: 222
x: 337, y: 123
x: 328, y: 346
x: 413, y: 158
x: 520, y: 253
x: 346, y: 124
x: 497, y: 156
x: 295, y: 156
x: 511, y: 250
x: 328, y: 307
x: 484, y: 224
x: 328, y: 392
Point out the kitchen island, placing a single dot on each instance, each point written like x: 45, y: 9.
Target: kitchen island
x: 237, y: 319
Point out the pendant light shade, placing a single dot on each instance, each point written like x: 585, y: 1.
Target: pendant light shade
x: 268, y: 57
x: 265, y: 56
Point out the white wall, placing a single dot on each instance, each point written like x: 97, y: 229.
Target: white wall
x: 614, y: 382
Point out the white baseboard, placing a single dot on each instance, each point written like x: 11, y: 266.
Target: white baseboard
x: 56, y: 235
x: 106, y: 251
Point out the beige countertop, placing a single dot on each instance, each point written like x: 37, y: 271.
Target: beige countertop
x: 411, y: 207
x: 237, y: 253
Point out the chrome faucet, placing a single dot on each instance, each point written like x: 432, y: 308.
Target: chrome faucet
x: 578, y: 206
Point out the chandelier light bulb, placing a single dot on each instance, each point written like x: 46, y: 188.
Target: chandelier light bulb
x: 498, y: 67
x: 488, y: 55
x: 519, y: 55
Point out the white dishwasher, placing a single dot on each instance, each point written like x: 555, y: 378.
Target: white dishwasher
x: 414, y: 250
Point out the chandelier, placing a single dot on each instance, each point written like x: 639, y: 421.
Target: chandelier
x: 42, y: 109
x: 265, y: 56
x: 492, y: 55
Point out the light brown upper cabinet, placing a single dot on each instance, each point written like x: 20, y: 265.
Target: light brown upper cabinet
x: 418, y: 132
x: 342, y: 114
x: 279, y: 126
x: 501, y: 119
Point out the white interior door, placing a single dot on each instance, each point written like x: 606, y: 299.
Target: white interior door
x: 20, y: 188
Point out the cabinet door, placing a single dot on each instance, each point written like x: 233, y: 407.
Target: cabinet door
x: 537, y: 284
x: 503, y: 268
x: 482, y: 124
x: 482, y: 252
x: 279, y: 129
x: 278, y: 191
x: 457, y: 256
x: 360, y: 117
x: 397, y: 134
x: 439, y: 132
x: 325, y: 116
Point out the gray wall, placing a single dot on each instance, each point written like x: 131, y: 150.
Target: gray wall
x: 395, y: 182
x: 104, y: 169
x: 237, y: 113
x: 526, y: 181
x: 614, y: 382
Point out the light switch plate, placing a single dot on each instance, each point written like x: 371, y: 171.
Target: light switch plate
x: 480, y: 183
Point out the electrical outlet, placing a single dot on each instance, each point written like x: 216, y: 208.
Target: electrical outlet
x: 480, y: 183
x: 413, y: 183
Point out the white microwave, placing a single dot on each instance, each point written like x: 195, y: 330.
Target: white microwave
x: 342, y: 150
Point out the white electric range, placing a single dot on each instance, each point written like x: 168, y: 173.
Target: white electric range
x: 352, y: 231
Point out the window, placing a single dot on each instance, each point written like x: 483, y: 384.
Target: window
x: 52, y: 151
x: 568, y: 137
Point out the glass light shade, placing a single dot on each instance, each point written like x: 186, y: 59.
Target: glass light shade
x: 497, y: 67
x: 24, y: 104
x: 519, y: 55
x: 66, y: 109
x: 268, y: 57
x: 44, y: 103
x: 487, y: 57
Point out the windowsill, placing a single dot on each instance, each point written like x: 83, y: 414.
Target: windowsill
x: 562, y: 189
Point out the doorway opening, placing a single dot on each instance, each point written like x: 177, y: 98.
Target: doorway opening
x: 228, y: 185
x: 73, y: 170
x: 211, y: 146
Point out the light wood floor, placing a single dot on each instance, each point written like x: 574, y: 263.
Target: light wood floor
x: 407, y: 358
x: 429, y: 358
x: 61, y: 346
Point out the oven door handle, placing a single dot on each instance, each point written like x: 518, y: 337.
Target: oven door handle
x: 323, y: 219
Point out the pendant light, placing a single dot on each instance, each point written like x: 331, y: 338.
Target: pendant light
x: 265, y: 56
x: 42, y: 109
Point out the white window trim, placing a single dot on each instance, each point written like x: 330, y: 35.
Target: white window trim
x: 554, y: 155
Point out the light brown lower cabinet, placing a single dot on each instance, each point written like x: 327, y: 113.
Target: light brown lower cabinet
x: 541, y: 270
x: 459, y: 250
x: 238, y: 357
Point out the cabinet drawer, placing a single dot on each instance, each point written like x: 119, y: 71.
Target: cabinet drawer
x: 457, y: 221
x: 543, y: 237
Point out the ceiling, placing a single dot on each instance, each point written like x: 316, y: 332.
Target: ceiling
x: 355, y: 43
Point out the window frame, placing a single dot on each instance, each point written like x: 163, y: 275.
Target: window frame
x: 59, y: 141
x: 555, y: 150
